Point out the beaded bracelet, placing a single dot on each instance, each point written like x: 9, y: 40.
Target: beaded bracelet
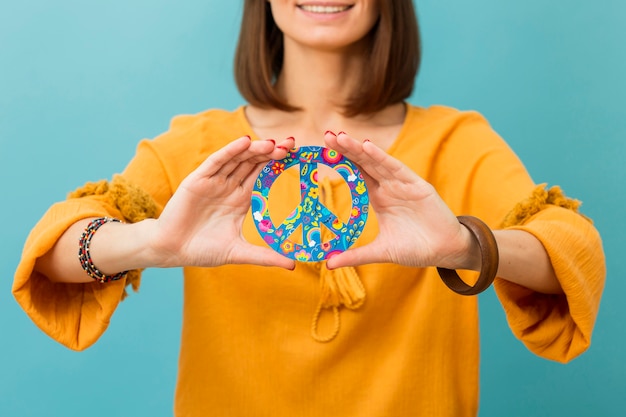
x: 85, y: 257
x: 489, y: 257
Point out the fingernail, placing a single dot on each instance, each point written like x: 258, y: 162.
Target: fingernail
x: 341, y: 133
x: 366, y: 140
x: 271, y: 140
x: 291, y: 138
x: 331, y: 132
x: 327, y: 258
x: 282, y: 147
x: 293, y: 268
x: 248, y: 136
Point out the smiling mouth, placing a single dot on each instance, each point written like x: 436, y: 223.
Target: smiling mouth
x: 316, y: 8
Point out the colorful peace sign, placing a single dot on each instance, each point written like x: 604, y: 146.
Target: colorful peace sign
x: 311, y: 213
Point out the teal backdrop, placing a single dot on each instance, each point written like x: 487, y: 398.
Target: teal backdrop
x: 82, y: 82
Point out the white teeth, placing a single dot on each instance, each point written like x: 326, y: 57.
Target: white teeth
x: 323, y: 9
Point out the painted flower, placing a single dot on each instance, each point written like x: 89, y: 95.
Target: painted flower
x: 267, y: 181
x: 326, y: 246
x: 314, y: 192
x: 287, y: 246
x: 265, y: 225
x: 278, y: 167
x: 355, y: 212
x: 302, y: 256
x: 331, y: 156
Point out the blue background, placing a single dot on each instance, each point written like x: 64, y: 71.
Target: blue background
x: 82, y: 82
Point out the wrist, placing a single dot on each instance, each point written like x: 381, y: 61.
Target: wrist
x: 489, y: 259
x: 471, y: 254
x: 122, y: 247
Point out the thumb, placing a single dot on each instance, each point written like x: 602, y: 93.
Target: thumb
x: 368, y: 254
x: 258, y: 255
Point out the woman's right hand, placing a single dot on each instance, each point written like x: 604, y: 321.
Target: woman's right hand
x: 201, y: 225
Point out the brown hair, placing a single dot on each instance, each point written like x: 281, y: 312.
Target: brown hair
x: 394, y: 54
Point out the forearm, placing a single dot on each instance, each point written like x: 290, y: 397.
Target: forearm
x: 524, y: 261
x: 114, y: 248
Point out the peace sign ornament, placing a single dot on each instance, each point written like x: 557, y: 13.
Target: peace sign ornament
x: 310, y: 214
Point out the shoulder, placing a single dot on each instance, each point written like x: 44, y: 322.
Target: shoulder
x: 209, y: 123
x: 190, y: 139
x: 443, y: 117
x: 215, y: 118
x: 444, y: 127
x: 439, y: 138
x: 201, y: 133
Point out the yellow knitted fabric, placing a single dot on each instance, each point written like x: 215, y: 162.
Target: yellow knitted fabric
x: 537, y: 201
x: 131, y: 201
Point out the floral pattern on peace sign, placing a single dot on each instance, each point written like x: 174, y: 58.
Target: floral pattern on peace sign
x: 310, y: 214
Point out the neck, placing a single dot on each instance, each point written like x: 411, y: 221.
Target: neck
x: 319, y: 81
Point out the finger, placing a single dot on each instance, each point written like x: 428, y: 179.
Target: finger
x: 370, y: 157
x: 375, y: 161
x: 224, y: 161
x: 283, y: 148
x: 247, y: 179
x: 254, y: 165
x: 258, y: 151
x: 247, y: 253
x: 330, y: 139
x: 354, y: 151
x: 362, y: 255
x: 383, y: 164
x: 331, y: 142
x: 277, y: 152
x: 219, y: 158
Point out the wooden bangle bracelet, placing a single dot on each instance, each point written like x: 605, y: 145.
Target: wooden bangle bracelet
x: 489, y: 259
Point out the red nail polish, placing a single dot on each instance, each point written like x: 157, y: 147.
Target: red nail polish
x: 291, y: 138
x: 331, y: 132
x: 341, y: 133
x: 248, y: 136
x: 366, y: 140
x: 282, y: 147
x: 271, y: 140
x: 330, y: 256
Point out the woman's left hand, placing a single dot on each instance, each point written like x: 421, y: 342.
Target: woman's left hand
x: 416, y: 227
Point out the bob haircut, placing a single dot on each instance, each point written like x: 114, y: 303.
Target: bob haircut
x: 394, y: 49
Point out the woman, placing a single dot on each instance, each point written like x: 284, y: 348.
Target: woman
x: 372, y: 331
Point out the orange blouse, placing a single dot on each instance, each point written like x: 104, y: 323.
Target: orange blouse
x: 375, y: 340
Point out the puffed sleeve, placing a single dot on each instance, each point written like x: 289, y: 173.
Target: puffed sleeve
x: 479, y: 174
x: 557, y: 327
x: 76, y: 315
